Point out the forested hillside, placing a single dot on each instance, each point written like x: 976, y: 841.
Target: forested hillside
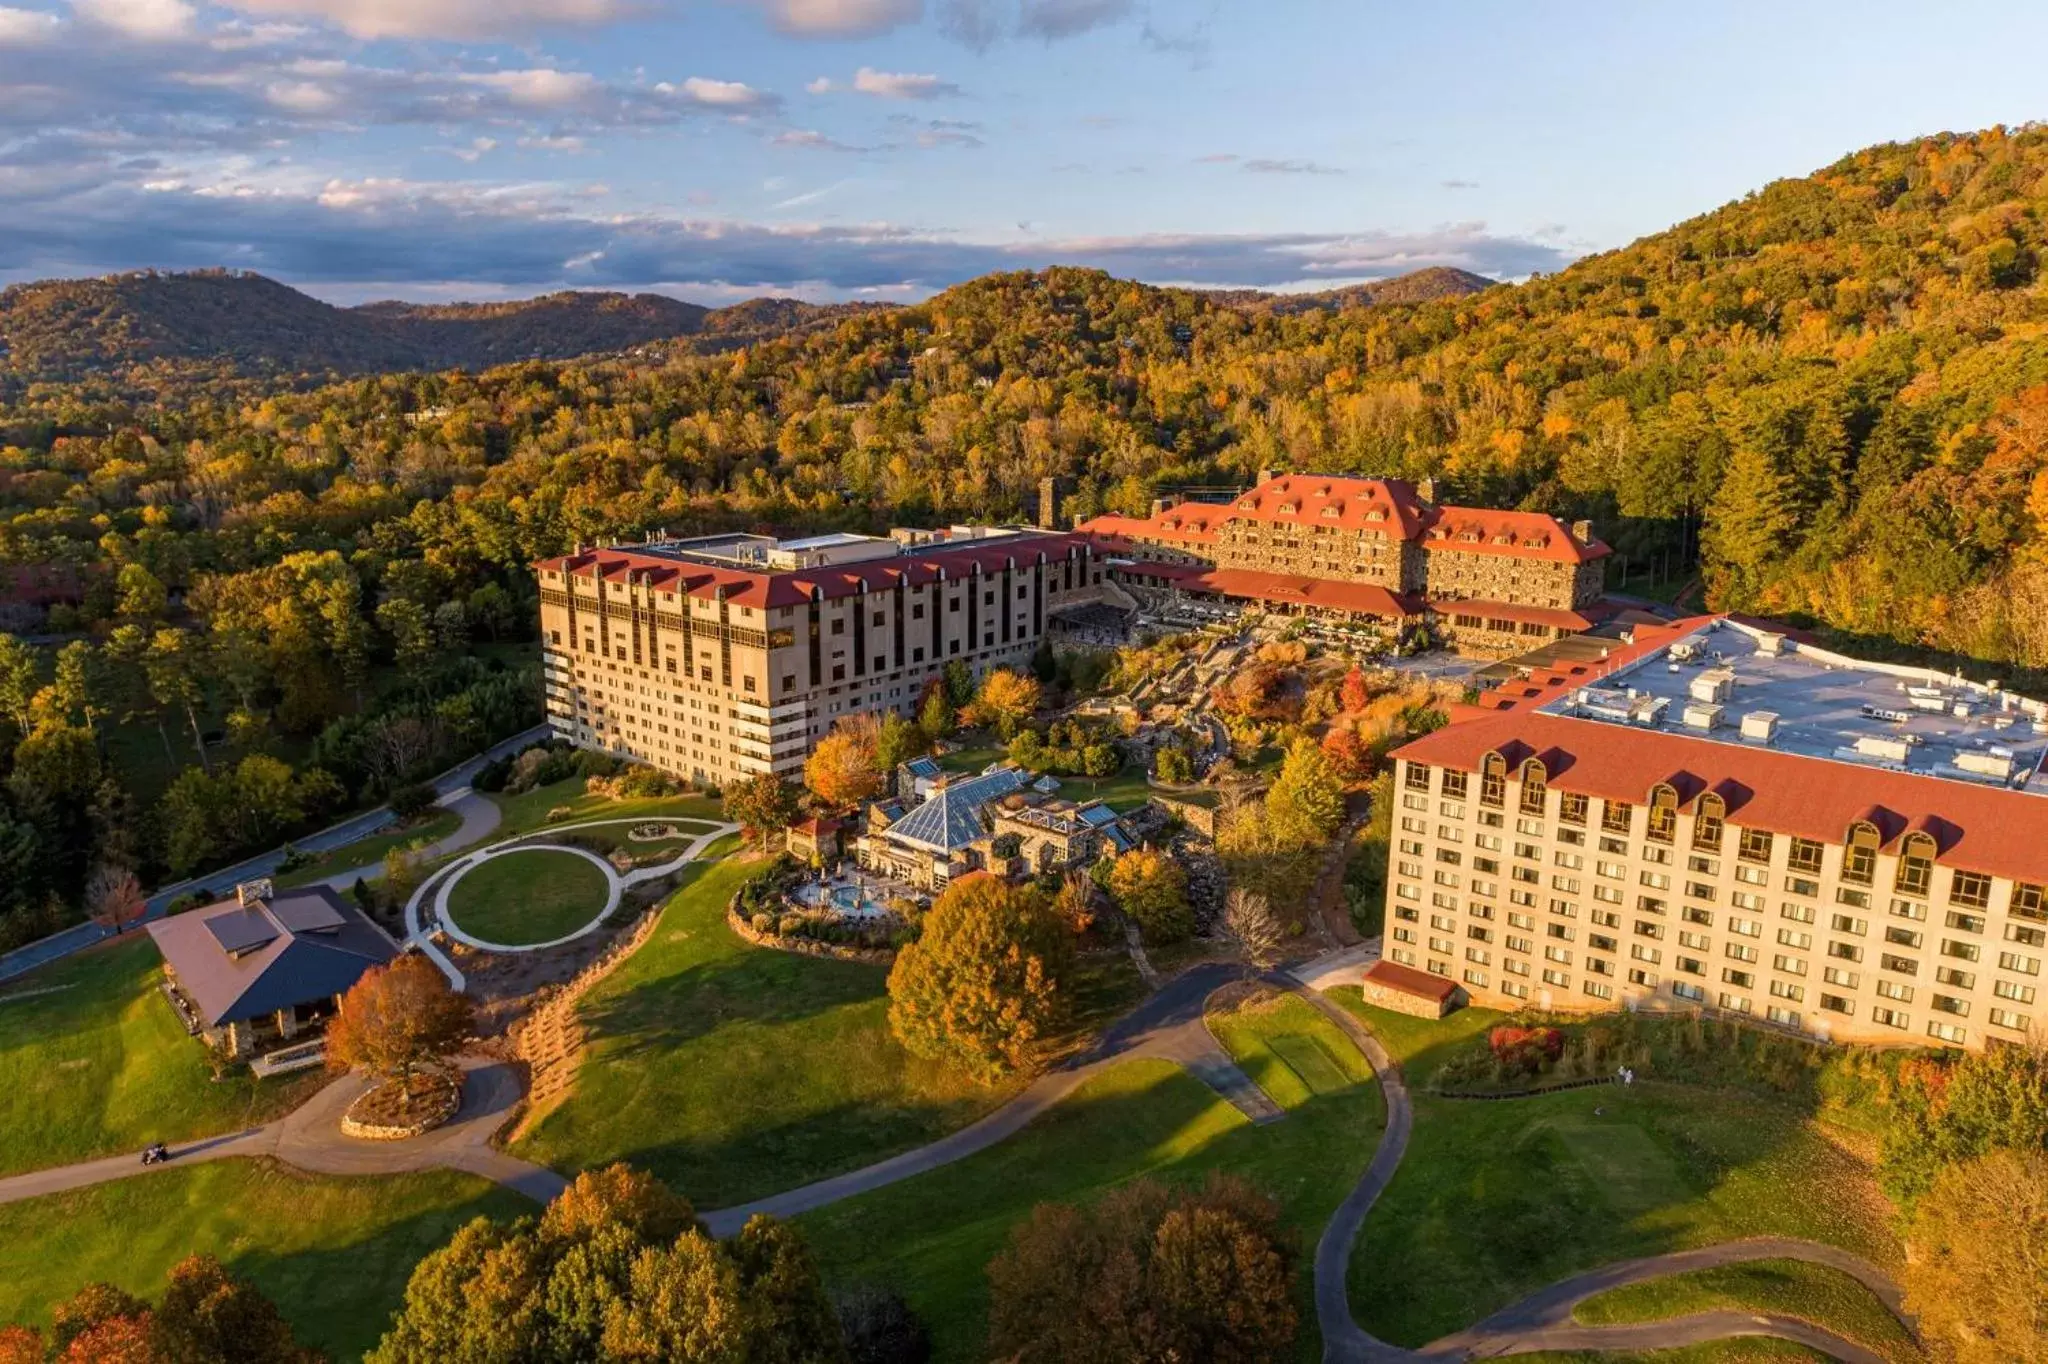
x: 174, y: 327
x: 1835, y: 392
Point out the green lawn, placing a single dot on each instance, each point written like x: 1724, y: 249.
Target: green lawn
x: 93, y: 1061
x: 1826, y: 1297
x: 1498, y: 1199
x: 369, y: 852
x: 528, y: 896
x: 932, y: 1237
x: 528, y: 811
x: 1419, y: 1045
x: 732, y: 1071
x: 334, y: 1254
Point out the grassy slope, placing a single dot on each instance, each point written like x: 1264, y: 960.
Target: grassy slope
x: 732, y: 1072
x: 528, y: 811
x: 527, y: 897
x: 933, y: 1236
x: 367, y: 852
x: 1570, y: 1181
x: 102, y: 1065
x: 334, y: 1254
x: 1826, y: 1297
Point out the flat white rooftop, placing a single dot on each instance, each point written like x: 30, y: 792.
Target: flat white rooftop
x: 1733, y: 683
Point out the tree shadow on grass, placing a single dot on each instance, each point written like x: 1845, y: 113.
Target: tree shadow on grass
x: 340, y: 1298
x: 1497, y: 1199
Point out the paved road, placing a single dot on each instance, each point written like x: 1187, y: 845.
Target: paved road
x: 450, y: 785
x: 310, y: 1138
x: 1168, y: 1024
x: 480, y: 818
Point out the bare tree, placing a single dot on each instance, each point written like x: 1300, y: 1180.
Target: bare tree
x: 113, y: 897
x: 1250, y: 918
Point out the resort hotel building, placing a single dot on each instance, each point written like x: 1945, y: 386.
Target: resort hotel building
x: 1720, y: 815
x: 1493, y: 582
x: 725, y: 656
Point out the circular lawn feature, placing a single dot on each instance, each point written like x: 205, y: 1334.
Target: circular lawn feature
x: 528, y: 895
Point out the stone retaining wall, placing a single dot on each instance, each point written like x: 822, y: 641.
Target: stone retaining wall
x: 807, y: 947
x: 451, y: 1100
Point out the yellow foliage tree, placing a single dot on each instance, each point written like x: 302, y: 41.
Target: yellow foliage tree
x: 844, y: 768
x: 981, y: 985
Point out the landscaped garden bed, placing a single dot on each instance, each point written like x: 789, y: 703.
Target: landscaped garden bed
x: 396, y: 1110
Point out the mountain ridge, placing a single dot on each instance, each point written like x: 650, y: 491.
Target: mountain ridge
x: 65, y: 329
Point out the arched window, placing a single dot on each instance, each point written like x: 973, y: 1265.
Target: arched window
x: 1859, y: 853
x: 1663, y: 814
x: 1709, y: 822
x: 1535, y: 787
x: 1916, y: 866
x: 1493, y: 780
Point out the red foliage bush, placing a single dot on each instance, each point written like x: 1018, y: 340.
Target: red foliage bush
x: 1525, y: 1051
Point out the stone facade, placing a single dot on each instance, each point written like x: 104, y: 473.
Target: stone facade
x: 1498, y: 581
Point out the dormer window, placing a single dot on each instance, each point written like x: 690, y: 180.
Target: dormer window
x: 1493, y: 783
x: 1663, y: 815
x: 1859, y: 857
x: 1709, y: 822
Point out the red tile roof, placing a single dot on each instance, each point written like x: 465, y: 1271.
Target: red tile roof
x: 1410, y: 981
x: 788, y: 587
x: 1328, y: 593
x: 1504, y: 610
x: 1975, y: 828
x: 1383, y: 504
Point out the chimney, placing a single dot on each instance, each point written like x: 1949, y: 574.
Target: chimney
x: 1265, y: 476
x: 1425, y: 490
x: 252, y: 892
x: 1582, y: 531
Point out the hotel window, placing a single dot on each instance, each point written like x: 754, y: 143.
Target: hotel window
x: 1947, y: 1032
x: 1616, y: 816
x: 1535, y: 790
x: 1859, y: 857
x: 1707, y: 825
x: 1835, y: 1004
x: 1663, y: 820
x: 1571, y: 809
x: 1418, y: 777
x: 2006, y: 1018
x: 1493, y: 781
x: 1806, y: 855
x: 1890, y: 1018
x: 1755, y: 846
x: 1916, y: 866
x: 2029, y: 901
x: 1970, y: 889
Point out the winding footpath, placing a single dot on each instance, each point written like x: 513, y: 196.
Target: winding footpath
x: 1543, y: 1320
x: 1168, y: 1025
x: 310, y: 1138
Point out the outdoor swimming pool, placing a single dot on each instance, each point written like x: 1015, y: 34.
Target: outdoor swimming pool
x: 847, y: 898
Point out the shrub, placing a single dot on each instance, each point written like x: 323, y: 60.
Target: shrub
x: 411, y: 800
x: 763, y: 923
x: 1525, y: 1051
x: 880, y: 1328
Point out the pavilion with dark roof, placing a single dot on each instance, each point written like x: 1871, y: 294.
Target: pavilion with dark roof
x: 265, y: 967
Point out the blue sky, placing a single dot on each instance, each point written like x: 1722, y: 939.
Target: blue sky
x: 717, y: 149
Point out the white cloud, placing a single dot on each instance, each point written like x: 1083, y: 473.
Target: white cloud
x: 840, y: 18
x: 720, y: 94
x: 147, y: 20
x: 538, y: 87
x: 810, y: 137
x: 26, y: 27
x: 1261, y: 165
x: 887, y: 85
x: 458, y: 19
x: 302, y: 97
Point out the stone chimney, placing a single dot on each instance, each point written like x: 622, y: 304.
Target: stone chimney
x: 1582, y: 531
x: 1425, y: 490
x: 1265, y: 476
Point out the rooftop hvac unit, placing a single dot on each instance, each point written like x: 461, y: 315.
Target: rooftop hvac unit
x: 1883, y: 748
x: 1717, y: 685
x: 1703, y: 715
x: 1985, y: 764
x: 1770, y: 645
x: 1760, y: 724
